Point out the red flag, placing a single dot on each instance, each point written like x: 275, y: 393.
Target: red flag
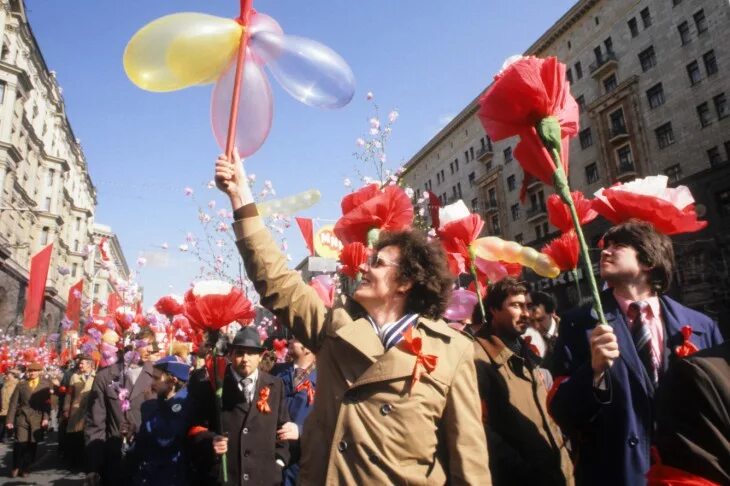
x: 112, y: 302
x: 73, y: 308
x: 433, y: 209
x: 96, y: 309
x: 104, y: 249
x: 36, y: 286
x: 305, y: 226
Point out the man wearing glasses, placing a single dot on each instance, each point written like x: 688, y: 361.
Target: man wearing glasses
x: 397, y: 400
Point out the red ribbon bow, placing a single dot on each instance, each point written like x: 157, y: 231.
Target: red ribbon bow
x: 263, y: 403
x: 306, y: 385
x: 414, y: 345
x: 687, y: 347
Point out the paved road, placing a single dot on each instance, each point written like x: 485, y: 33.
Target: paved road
x: 47, y: 469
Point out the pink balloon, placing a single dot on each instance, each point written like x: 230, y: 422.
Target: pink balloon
x: 495, y: 271
x: 255, y: 107
x: 262, y: 23
x: 461, y: 305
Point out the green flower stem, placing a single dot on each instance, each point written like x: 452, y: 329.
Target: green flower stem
x: 563, y: 190
x: 577, y: 284
x: 219, y: 407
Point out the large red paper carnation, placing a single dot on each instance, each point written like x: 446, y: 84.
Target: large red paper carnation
x: 351, y: 257
x: 370, y: 208
x: 124, y: 316
x: 170, y: 305
x: 559, y: 213
x: 212, y: 304
x: 670, y: 210
x: 564, y: 251
x: 525, y: 92
x: 459, y: 228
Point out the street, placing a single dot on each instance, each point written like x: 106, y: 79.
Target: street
x: 47, y: 469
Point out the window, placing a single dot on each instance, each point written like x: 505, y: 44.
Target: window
x: 96, y: 289
x: 665, y: 135
x: 720, y: 106
x: 703, y: 112
x: 645, y: 18
x: 495, y: 224
x: 633, y: 28
x: 684, y: 36
x: 515, y: 210
x: 471, y: 157
x: 723, y: 201
x: 618, y: 125
x: 492, y: 196
x: 608, y: 44
x: 456, y: 164
x: 507, y: 155
x: 519, y: 238
x: 443, y: 176
x: 538, y: 232
x: 511, y: 183
x: 591, y: 173
x: 713, y: 155
x: 475, y: 205
x: 676, y: 2
x: 710, y: 62
x: 569, y: 75
x: 472, y: 179
x: 655, y: 95
x: 458, y: 189
x: 674, y: 173
x: 438, y: 177
x: 74, y: 270
x: 2, y: 91
x: 76, y: 245
x: 77, y: 226
x: 597, y: 20
x: 693, y: 71
x: 625, y: 159
x: 610, y: 83
x: 466, y: 155
x: 47, y: 204
x: 586, y: 138
x: 599, y: 55
x: 700, y: 22
x: 647, y: 58
x: 581, y: 103
x: 578, y: 70
x: 44, y: 235
x: 451, y: 167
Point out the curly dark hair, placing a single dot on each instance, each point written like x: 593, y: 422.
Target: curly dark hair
x: 423, y: 264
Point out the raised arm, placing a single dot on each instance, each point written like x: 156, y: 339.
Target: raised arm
x: 295, y: 304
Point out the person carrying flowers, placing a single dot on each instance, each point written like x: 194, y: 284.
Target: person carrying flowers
x: 397, y: 400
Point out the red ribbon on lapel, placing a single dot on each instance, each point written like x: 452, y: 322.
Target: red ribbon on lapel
x: 687, y: 347
x: 306, y: 385
x: 263, y: 403
x: 532, y: 347
x: 414, y: 346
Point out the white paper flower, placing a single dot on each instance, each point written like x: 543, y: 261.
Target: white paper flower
x: 208, y: 287
x: 453, y: 212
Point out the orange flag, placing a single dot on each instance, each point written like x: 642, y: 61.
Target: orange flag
x: 36, y: 286
x: 73, y: 308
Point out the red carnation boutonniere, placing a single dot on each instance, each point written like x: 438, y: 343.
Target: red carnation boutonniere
x: 263, y: 403
x: 414, y: 345
x: 687, y: 347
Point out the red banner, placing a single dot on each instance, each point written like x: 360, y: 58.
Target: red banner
x: 36, y: 286
x: 73, y: 308
x: 112, y: 302
x: 305, y: 226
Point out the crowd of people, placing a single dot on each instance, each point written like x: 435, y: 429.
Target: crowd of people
x: 379, y: 389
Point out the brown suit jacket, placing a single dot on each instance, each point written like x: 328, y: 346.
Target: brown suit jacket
x: 28, y: 408
x: 693, y: 414
x: 366, y: 428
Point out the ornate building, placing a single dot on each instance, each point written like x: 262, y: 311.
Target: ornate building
x: 651, y: 79
x: 106, y: 273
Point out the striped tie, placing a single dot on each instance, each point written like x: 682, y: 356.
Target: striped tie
x: 392, y: 334
x: 642, y: 338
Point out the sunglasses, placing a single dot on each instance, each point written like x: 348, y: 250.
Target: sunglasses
x: 377, y: 261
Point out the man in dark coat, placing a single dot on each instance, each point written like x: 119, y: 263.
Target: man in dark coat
x: 253, y: 409
x: 112, y: 387
x: 693, y: 415
x: 300, y: 382
x: 605, y: 400
x: 28, y: 414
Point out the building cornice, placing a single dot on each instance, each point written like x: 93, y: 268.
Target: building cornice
x: 19, y: 73
x: 563, y: 24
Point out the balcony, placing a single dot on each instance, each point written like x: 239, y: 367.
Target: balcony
x: 536, y: 212
x: 626, y: 171
x: 485, y: 153
x: 491, y: 206
x: 603, y: 65
x: 534, y: 183
x: 617, y: 133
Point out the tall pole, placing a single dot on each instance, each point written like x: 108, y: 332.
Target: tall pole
x: 243, y: 19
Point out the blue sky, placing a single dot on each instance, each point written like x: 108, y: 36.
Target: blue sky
x: 427, y: 59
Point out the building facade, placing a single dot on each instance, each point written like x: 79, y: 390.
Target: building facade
x: 46, y: 194
x: 106, y: 273
x: 652, y: 78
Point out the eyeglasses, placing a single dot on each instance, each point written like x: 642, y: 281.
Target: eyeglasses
x: 376, y: 261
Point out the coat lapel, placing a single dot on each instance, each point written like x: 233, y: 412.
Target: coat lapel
x: 360, y: 335
x: 672, y: 330
x: 627, y: 349
x: 143, y: 382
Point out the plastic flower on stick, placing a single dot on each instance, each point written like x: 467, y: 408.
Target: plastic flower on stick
x: 530, y: 98
x: 191, y: 49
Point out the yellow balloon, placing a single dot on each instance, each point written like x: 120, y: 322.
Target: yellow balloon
x: 181, y: 50
x: 289, y: 205
x: 495, y: 249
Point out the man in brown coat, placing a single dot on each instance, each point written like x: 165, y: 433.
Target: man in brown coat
x: 525, y: 445
x: 28, y: 414
x: 74, y: 409
x: 9, y: 384
x: 396, y: 390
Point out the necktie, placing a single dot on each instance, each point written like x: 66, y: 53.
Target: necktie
x: 642, y: 338
x: 300, y: 374
x: 247, y: 391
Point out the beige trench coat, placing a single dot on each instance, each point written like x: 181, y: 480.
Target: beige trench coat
x: 77, y: 401
x: 365, y: 427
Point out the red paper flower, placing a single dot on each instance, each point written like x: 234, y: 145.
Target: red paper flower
x: 559, y: 213
x: 369, y: 208
x: 352, y: 256
x: 670, y: 210
x: 564, y: 250
x: 525, y: 92
x: 215, y: 377
x: 170, y: 305
x: 280, y: 349
x: 212, y: 304
x: 124, y: 317
x: 459, y: 228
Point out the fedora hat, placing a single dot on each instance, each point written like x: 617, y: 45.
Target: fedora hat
x: 248, y: 337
